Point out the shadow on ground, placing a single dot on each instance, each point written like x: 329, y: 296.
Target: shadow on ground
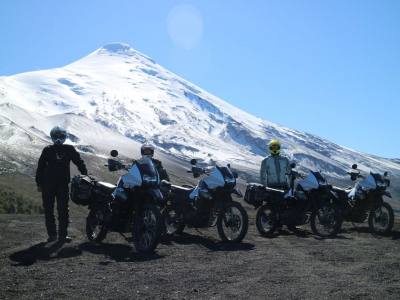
x: 49, y: 251
x: 43, y: 251
x: 210, y: 244
x: 394, y: 234
x: 118, y: 252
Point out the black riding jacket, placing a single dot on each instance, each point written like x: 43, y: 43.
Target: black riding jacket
x: 54, y: 165
x: 160, y: 169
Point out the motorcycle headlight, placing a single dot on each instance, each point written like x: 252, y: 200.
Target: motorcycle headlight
x: 230, y: 181
x: 203, y: 193
x: 382, y: 185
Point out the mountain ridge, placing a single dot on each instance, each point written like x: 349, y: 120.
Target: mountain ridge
x: 119, y: 88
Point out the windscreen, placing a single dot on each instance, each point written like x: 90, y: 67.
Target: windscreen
x: 321, y: 180
x: 226, y: 172
x: 378, y: 177
x: 147, y: 168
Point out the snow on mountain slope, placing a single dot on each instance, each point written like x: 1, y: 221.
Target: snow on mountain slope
x: 116, y: 94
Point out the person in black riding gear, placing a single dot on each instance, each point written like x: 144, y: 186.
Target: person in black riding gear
x: 148, y: 151
x: 52, y: 179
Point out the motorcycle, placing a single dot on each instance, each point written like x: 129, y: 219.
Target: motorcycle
x: 365, y: 200
x: 311, y: 200
x: 208, y: 204
x: 130, y: 206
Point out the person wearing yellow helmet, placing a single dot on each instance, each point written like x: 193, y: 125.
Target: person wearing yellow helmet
x: 275, y: 167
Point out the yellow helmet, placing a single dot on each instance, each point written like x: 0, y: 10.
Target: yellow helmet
x: 274, y: 147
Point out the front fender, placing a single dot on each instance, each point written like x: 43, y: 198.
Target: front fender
x: 155, y: 196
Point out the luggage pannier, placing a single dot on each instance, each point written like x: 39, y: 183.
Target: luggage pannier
x: 255, y: 194
x: 81, y: 190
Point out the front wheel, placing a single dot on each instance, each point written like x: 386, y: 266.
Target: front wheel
x: 266, y: 220
x: 96, y: 230
x: 381, y: 219
x: 171, y: 224
x: 326, y: 220
x: 233, y: 223
x: 147, y: 227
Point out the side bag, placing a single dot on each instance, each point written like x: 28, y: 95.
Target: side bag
x: 81, y: 190
x: 255, y: 194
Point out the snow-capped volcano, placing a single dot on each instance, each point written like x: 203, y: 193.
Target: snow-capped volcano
x: 116, y: 96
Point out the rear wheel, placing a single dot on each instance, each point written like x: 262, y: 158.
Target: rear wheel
x: 381, y: 219
x: 147, y: 227
x: 266, y: 221
x: 233, y: 223
x: 171, y: 224
x: 96, y: 230
x: 326, y: 220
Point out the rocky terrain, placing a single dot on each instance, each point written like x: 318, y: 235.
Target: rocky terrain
x: 355, y: 265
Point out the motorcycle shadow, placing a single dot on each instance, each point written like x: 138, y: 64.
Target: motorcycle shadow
x: 394, y: 234
x: 118, y: 252
x: 43, y: 252
x: 302, y: 233
x: 209, y: 243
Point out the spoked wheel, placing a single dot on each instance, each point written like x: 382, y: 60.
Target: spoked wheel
x: 381, y: 219
x: 326, y: 221
x: 171, y: 225
x: 96, y: 230
x: 266, y: 221
x: 147, y: 228
x: 233, y: 223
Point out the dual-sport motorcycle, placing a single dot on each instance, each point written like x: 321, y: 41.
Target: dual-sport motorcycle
x: 208, y: 204
x: 132, y: 206
x: 365, y: 200
x: 311, y: 200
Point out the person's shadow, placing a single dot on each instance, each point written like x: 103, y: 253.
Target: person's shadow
x: 118, y: 252
x: 43, y: 251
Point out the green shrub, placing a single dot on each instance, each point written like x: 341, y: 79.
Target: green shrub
x: 12, y: 203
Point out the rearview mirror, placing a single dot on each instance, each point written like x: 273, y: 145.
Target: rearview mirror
x: 197, y: 171
x: 385, y: 174
x: 193, y: 162
x: 354, y: 167
x: 114, y: 165
x: 114, y: 153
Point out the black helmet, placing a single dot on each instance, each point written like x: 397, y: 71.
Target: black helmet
x: 147, y: 150
x: 58, y: 135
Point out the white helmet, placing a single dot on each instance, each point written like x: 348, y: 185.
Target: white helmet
x: 58, y: 135
x: 147, y: 150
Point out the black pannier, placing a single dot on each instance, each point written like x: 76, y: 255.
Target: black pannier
x: 255, y: 194
x: 81, y: 189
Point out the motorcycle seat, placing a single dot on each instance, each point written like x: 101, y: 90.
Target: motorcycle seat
x: 343, y: 190
x: 165, y: 183
x: 181, y: 188
x: 272, y: 190
x: 106, y: 187
x: 181, y: 192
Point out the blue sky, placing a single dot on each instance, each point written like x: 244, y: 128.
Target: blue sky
x: 327, y: 67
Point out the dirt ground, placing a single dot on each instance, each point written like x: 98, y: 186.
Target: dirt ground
x: 355, y: 265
